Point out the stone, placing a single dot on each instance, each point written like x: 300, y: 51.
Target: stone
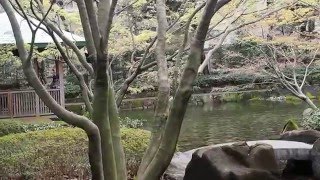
x: 315, y: 157
x: 296, y: 168
x: 284, y: 150
x: 305, y: 136
x: 237, y: 161
x: 262, y: 157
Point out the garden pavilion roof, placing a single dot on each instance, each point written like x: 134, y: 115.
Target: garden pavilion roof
x: 42, y: 38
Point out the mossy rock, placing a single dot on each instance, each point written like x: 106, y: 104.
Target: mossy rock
x: 290, y: 126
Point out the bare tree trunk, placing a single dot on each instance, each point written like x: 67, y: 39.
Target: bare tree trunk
x: 164, y: 154
x: 310, y: 103
x: 182, y: 48
x: 116, y: 136
x: 162, y: 106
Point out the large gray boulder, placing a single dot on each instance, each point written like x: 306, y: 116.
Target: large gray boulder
x: 315, y: 157
x: 305, y: 136
x: 283, y: 150
x: 238, y: 161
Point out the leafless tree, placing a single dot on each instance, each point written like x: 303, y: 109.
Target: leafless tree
x: 282, y: 63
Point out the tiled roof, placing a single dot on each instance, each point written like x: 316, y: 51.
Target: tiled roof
x: 42, y: 38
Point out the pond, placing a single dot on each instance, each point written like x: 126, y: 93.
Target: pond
x: 229, y: 122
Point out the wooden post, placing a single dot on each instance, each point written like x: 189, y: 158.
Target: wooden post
x: 37, y: 99
x: 60, y: 73
x: 10, y: 104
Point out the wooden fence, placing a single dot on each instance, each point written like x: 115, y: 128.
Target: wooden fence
x: 25, y: 103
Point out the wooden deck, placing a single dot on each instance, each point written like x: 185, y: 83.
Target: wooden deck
x: 25, y: 103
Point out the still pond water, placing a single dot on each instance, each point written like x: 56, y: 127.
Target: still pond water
x: 229, y: 122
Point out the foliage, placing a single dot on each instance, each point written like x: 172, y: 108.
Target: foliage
x: 59, y: 153
x: 132, y: 123
x: 290, y: 25
x: 312, y: 121
x: 11, y: 126
x: 232, y: 97
x: 292, y: 99
x: 309, y: 95
x: 45, y: 126
x: 135, y: 143
x: 72, y: 87
x: 225, y: 77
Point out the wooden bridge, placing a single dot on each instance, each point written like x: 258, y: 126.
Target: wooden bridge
x: 25, y: 103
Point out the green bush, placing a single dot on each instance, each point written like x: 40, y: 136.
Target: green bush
x: 46, y: 126
x: 135, y: 143
x: 232, y: 97
x: 59, y: 153
x: 132, y: 123
x: 312, y: 120
x: 72, y: 87
x: 11, y: 126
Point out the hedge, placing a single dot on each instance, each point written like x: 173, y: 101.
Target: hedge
x: 10, y: 126
x: 60, y: 153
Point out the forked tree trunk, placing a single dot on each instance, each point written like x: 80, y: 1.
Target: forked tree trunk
x: 90, y: 128
x: 105, y: 116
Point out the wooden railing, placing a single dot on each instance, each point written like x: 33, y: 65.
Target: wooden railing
x: 25, y: 103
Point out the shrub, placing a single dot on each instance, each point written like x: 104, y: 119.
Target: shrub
x: 312, y: 120
x: 59, y: 153
x: 46, y: 126
x: 232, y: 97
x: 11, y: 126
x: 72, y: 87
x: 132, y: 123
x: 135, y: 143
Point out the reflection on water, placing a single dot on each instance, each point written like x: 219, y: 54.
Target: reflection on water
x: 230, y: 122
